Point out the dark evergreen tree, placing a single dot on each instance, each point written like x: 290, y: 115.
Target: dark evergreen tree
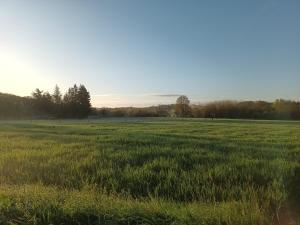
x: 77, y: 102
x: 83, y: 101
x: 57, y: 96
x: 57, y: 102
x: 42, y: 103
x: 69, y: 102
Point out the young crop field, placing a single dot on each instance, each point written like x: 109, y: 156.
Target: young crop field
x: 149, y: 171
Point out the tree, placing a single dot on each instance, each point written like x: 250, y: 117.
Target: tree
x: 57, y: 101
x: 283, y: 109
x: 57, y: 96
x: 70, y: 102
x: 12, y: 107
x: 84, y: 101
x: 77, y: 102
x: 182, y: 108
x: 37, y: 94
x: 74, y: 104
x: 42, y: 102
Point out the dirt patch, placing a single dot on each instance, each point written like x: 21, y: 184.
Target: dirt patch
x: 287, y: 216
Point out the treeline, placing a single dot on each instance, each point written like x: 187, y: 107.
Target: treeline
x: 280, y: 109
x: 15, y: 107
x: 153, y: 111
x: 75, y: 103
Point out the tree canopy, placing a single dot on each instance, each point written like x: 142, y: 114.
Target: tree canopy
x: 182, y: 107
x: 41, y: 104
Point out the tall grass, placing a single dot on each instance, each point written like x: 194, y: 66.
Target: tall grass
x: 147, y: 171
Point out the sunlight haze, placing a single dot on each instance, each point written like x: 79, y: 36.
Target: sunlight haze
x: 123, y: 51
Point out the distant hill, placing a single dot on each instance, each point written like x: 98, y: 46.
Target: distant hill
x: 151, y: 111
x: 13, y: 106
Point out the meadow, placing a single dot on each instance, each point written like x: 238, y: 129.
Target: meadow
x: 149, y: 171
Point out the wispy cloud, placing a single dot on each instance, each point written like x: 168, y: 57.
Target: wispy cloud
x: 160, y: 95
x: 166, y: 95
x: 139, y: 95
x: 102, y: 95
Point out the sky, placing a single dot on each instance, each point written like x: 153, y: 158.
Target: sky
x: 148, y: 52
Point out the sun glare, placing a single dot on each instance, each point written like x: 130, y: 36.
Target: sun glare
x: 18, y: 73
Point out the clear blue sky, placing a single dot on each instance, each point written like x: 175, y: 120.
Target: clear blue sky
x: 143, y: 52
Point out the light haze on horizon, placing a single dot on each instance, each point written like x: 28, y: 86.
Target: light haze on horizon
x: 139, y: 52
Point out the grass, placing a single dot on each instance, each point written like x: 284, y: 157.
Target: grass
x: 148, y: 171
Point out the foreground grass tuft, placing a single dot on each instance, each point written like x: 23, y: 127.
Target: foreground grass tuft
x: 48, y: 205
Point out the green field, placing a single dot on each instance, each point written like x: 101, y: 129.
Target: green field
x: 149, y: 171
